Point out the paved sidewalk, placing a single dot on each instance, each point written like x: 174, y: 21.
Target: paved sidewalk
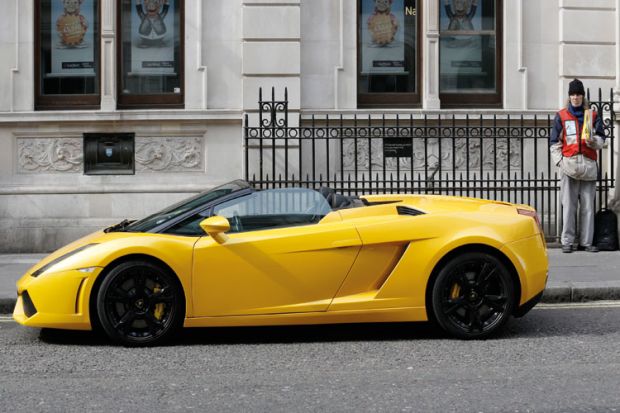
x: 576, y: 277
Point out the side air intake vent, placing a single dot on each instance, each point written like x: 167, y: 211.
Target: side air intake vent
x: 403, y: 210
x: 29, y: 308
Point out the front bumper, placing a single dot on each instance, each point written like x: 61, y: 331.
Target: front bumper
x: 55, y: 300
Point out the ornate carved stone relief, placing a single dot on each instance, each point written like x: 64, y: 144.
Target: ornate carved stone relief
x: 178, y: 154
x: 153, y: 154
x: 37, y: 155
x: 492, y: 153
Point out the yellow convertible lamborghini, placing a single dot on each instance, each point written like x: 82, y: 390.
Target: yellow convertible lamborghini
x: 237, y: 256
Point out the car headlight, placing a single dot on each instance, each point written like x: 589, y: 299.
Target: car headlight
x: 57, y: 260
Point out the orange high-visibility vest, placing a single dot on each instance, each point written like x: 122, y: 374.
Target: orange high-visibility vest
x: 572, y: 143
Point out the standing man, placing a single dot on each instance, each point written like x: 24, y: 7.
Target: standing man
x: 576, y: 136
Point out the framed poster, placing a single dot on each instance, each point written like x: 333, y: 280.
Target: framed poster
x: 72, y: 38
x: 382, y: 36
x: 460, y: 15
x: 152, y: 37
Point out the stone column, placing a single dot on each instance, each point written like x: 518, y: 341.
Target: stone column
x: 430, y: 71
x: 108, y: 55
x: 195, y: 71
x: 271, y: 50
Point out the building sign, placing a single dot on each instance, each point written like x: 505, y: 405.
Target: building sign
x: 73, y: 39
x: 383, y: 35
x: 397, y: 148
x: 152, y: 37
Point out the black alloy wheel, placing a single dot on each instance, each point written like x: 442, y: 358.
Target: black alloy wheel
x: 140, y: 304
x: 473, y: 296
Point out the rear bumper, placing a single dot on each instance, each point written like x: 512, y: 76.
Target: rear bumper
x: 525, y: 308
x: 529, y: 256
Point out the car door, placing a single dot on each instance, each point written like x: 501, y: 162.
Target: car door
x: 277, y: 259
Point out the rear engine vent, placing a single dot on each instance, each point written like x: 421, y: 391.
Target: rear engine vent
x: 29, y: 308
x: 403, y: 210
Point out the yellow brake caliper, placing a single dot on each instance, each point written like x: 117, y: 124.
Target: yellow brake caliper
x: 455, y: 291
x: 158, y: 313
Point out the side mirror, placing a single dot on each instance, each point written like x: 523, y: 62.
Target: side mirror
x: 216, y: 227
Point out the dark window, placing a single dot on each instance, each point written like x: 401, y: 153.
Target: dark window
x: 67, y: 54
x: 470, y: 53
x: 388, y: 47
x: 274, y: 208
x: 150, y: 53
x: 109, y: 154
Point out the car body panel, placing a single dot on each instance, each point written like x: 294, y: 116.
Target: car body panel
x: 51, y: 288
x: 279, y: 270
x: 366, y: 264
x: 531, y: 267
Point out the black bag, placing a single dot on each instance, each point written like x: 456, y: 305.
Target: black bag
x: 605, y: 230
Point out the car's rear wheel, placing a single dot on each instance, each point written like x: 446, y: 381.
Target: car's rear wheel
x: 473, y: 295
x: 140, y: 304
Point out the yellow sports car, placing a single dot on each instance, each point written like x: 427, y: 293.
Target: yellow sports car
x: 237, y: 256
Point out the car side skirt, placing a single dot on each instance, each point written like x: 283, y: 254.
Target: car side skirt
x: 324, y: 317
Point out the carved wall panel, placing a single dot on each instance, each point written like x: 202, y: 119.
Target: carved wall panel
x: 45, y: 155
x: 427, y: 153
x: 153, y: 154
x: 178, y: 154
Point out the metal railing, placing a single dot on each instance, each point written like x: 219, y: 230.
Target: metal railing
x: 498, y: 156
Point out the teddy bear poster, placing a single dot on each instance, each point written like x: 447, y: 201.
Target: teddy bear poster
x: 383, y: 27
x: 72, y: 37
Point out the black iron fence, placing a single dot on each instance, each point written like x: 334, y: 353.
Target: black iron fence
x: 499, y: 156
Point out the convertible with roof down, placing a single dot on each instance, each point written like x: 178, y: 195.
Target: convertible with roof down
x: 238, y: 256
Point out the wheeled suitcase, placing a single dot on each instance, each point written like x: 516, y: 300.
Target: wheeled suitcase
x: 605, y: 230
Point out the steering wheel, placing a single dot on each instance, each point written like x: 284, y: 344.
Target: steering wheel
x: 235, y: 223
x: 314, y: 211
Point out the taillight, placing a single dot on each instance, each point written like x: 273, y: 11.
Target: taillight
x: 533, y: 214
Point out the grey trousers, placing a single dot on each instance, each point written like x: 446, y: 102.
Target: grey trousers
x: 577, y: 196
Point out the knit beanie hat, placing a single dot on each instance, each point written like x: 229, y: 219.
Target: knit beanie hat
x: 576, y: 88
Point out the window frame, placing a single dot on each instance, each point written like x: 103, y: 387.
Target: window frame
x: 481, y: 100
x: 403, y: 100
x: 149, y: 101
x: 65, y: 101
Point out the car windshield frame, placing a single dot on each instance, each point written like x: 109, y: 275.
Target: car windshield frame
x: 169, y: 215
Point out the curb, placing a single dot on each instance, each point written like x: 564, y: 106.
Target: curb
x: 579, y: 292
x: 568, y: 292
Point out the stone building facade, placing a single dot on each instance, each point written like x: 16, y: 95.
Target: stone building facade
x: 184, y: 109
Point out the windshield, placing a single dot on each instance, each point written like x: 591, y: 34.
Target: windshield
x: 180, y: 208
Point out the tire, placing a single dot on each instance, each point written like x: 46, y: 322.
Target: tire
x: 473, y: 296
x: 140, y: 304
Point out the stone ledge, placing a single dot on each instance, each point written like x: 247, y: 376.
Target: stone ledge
x: 233, y: 116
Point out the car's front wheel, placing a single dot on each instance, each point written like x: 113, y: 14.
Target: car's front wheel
x: 473, y: 295
x: 140, y: 304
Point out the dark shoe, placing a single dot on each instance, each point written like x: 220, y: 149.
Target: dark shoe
x: 591, y: 248
x: 567, y: 248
